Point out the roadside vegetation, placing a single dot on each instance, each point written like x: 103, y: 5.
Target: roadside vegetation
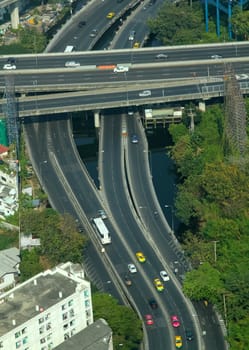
x: 213, y: 202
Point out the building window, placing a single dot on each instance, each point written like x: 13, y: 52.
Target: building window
x: 49, y: 337
x: 73, y: 331
x: 66, y: 336
x: 70, y: 303
x: 71, y: 313
x: 48, y: 326
x: 64, y: 316
x: 24, y: 330
x: 50, y: 346
x: 42, y: 340
x: 87, y: 303
x: 1, y: 344
x: 25, y: 340
x: 17, y: 334
x: 41, y: 330
x: 47, y: 317
x: 41, y: 320
x: 72, y: 323
x: 86, y: 293
x: 65, y: 326
x: 44, y: 348
x: 63, y: 307
x: 18, y: 344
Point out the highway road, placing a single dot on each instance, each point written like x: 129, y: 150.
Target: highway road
x: 127, y: 215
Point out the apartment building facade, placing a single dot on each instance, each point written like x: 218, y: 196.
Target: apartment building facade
x: 46, y: 310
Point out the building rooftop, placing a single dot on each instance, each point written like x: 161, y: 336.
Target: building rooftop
x: 32, y: 297
x: 9, y: 259
x: 97, y: 336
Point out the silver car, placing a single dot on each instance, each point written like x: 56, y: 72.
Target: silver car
x: 145, y: 93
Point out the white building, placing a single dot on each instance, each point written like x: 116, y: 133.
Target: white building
x: 9, y: 268
x: 46, y: 310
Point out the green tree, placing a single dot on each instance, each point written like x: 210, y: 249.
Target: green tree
x: 30, y: 264
x: 205, y: 283
x: 126, y: 326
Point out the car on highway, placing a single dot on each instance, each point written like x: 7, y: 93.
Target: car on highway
x: 145, y: 93
x: 121, y: 69
x: 9, y: 66
x: 132, y: 268
x: 161, y: 56
x: 132, y: 35
x: 149, y: 320
x: 153, y: 303
x: 81, y: 24
x: 72, y: 64
x: 93, y: 33
x: 178, y: 341
x: 216, y: 57
x: 136, y: 45
x: 242, y: 76
x: 110, y: 15
x: 130, y: 111
x: 189, y: 335
x: 158, y: 284
x: 140, y: 257
x: 128, y: 281
x: 134, y: 138
x: 175, y: 321
x: 102, y: 214
x: 164, y: 276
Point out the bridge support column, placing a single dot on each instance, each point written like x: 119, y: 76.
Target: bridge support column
x: 202, y: 106
x: 14, y: 15
x: 96, y: 119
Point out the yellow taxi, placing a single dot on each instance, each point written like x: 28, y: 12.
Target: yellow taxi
x: 140, y: 257
x: 110, y: 15
x: 136, y: 45
x: 158, y: 284
x: 178, y: 341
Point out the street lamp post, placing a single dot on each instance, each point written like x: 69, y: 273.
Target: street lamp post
x: 172, y: 216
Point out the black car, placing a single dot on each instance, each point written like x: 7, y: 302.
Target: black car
x: 81, y: 24
x: 11, y: 60
x: 153, y: 304
x: 189, y: 335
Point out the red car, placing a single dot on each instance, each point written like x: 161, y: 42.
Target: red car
x: 175, y: 321
x: 149, y: 320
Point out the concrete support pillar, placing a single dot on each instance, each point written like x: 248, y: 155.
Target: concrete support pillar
x: 14, y: 15
x: 96, y: 119
x: 202, y: 106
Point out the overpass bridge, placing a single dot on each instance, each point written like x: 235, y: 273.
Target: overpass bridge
x: 14, y: 11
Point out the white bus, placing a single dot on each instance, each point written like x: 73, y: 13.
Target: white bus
x: 69, y: 48
x: 102, y: 231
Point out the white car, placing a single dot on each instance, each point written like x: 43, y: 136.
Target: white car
x: 132, y: 268
x: 121, y: 69
x: 9, y: 66
x: 161, y: 56
x: 164, y: 276
x: 72, y: 64
x: 145, y: 93
x: 216, y: 57
x: 241, y: 76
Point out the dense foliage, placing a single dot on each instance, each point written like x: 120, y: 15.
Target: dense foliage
x: 126, y: 326
x: 60, y: 241
x: 213, y: 201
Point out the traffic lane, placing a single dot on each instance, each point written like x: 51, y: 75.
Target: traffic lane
x: 158, y: 72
